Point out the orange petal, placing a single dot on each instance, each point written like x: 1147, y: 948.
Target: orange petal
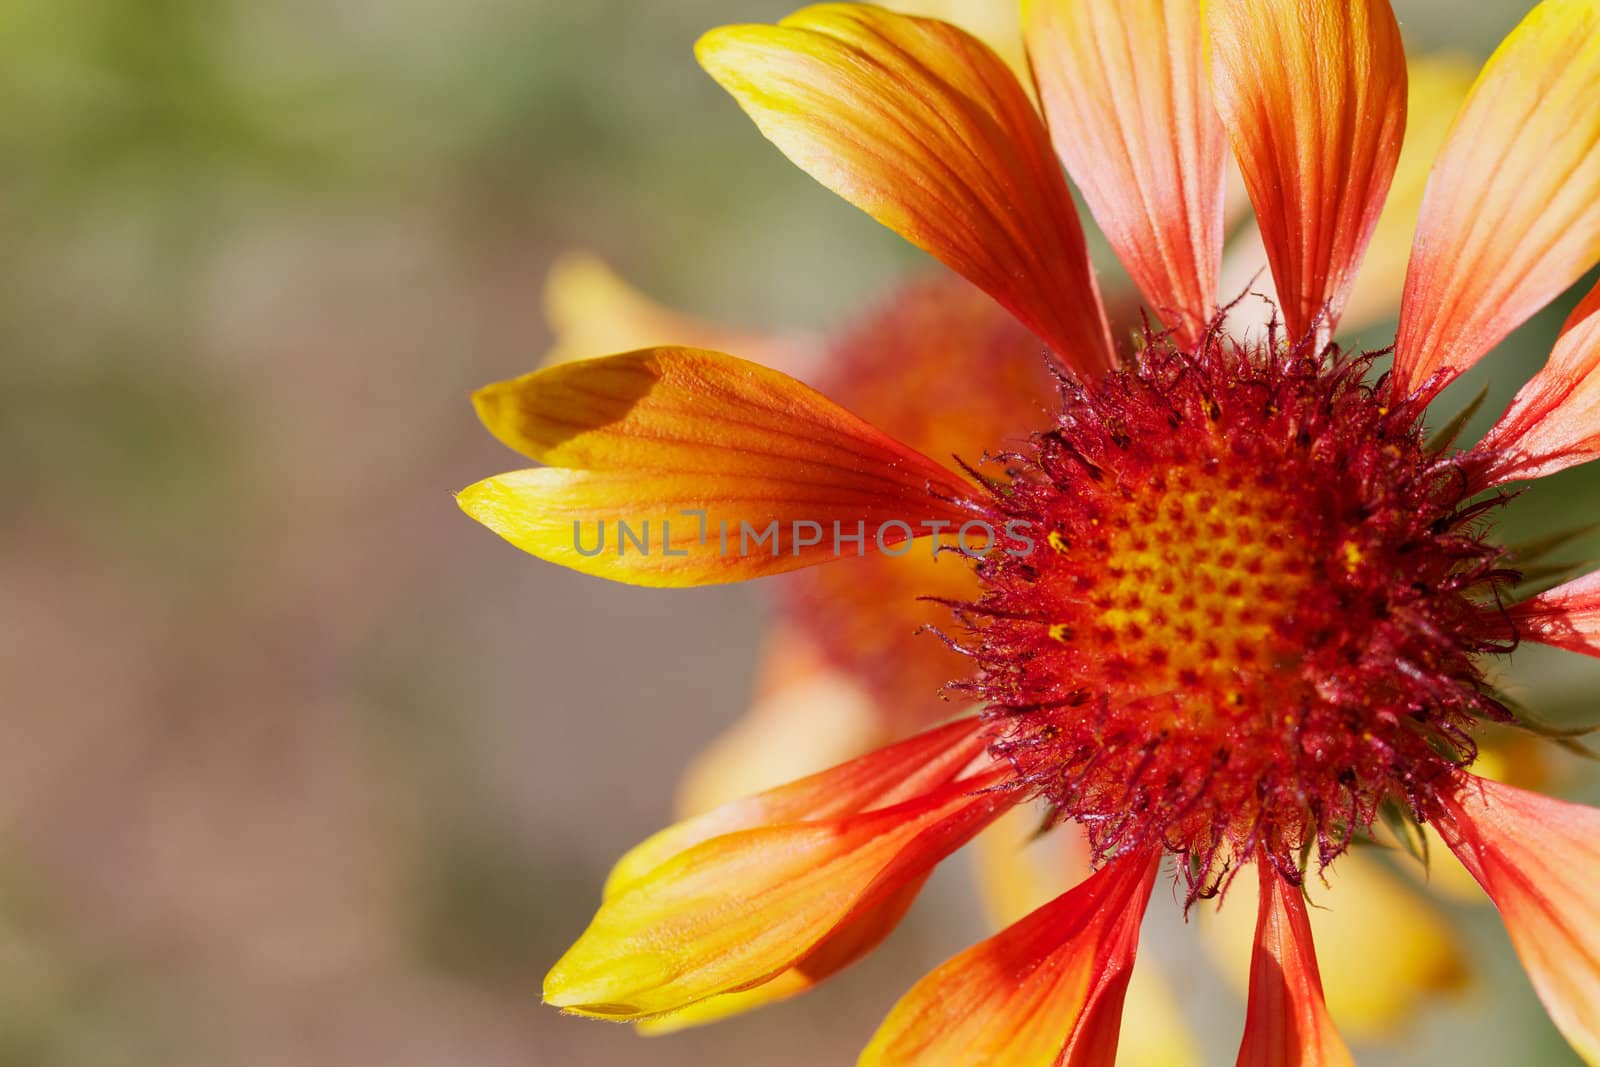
x: 741, y: 909
x: 877, y: 780
x: 1019, y: 869
x: 996, y: 25
x: 1567, y: 616
x: 1314, y: 99
x: 592, y: 311
x: 849, y: 941
x: 923, y: 127
x: 1538, y: 858
x: 1287, y: 1024
x: 1047, y: 990
x: 1554, y: 421
x: 1512, y: 212
x: 1123, y: 83
x: 684, y: 459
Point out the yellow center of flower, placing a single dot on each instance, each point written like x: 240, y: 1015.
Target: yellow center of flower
x: 1201, y: 568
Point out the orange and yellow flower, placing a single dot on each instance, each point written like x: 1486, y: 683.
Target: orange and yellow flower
x: 1260, y: 598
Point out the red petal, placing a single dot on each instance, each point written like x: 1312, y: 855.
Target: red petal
x: 1287, y: 1024
x: 1554, y: 421
x: 1567, y: 616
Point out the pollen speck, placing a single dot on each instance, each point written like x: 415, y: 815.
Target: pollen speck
x: 1353, y: 556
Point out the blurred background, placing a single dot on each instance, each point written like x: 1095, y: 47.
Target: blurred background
x: 299, y: 765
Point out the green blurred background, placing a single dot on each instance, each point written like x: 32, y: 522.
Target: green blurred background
x: 300, y: 766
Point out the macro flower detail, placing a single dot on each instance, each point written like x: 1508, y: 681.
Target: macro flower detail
x: 1212, y: 653
x: 1231, y: 602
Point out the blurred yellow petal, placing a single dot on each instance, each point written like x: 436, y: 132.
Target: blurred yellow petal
x: 1313, y: 97
x: 1538, y: 858
x: 592, y: 311
x: 1018, y: 869
x: 1382, y: 948
x: 1154, y: 1031
x: 1436, y: 87
x: 1511, y: 216
x: 1123, y: 83
x: 1048, y: 990
x: 694, y: 467
x: 1287, y: 1024
x: 796, y: 727
x: 923, y: 127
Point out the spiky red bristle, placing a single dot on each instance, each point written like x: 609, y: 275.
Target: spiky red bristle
x: 1253, y: 613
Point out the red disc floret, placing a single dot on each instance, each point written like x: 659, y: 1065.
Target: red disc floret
x: 1253, y: 612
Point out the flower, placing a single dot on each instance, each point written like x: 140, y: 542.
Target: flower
x: 1254, y: 615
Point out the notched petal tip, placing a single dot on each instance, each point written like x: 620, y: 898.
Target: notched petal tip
x: 679, y: 466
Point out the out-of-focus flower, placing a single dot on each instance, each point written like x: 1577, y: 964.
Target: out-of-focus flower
x: 1252, y: 616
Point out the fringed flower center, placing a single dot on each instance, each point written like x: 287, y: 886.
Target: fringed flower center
x: 1254, y: 612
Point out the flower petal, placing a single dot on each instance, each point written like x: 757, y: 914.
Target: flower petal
x: 1554, y: 420
x: 849, y: 941
x: 923, y: 127
x: 1019, y: 869
x: 808, y: 716
x: 743, y: 908
x: 1287, y: 1023
x: 877, y: 780
x: 1538, y: 858
x: 592, y: 311
x: 996, y: 25
x: 1567, y: 616
x: 1046, y: 990
x: 1512, y: 212
x: 1314, y: 99
x: 1123, y: 83
x: 698, y: 454
x: 1384, y: 947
